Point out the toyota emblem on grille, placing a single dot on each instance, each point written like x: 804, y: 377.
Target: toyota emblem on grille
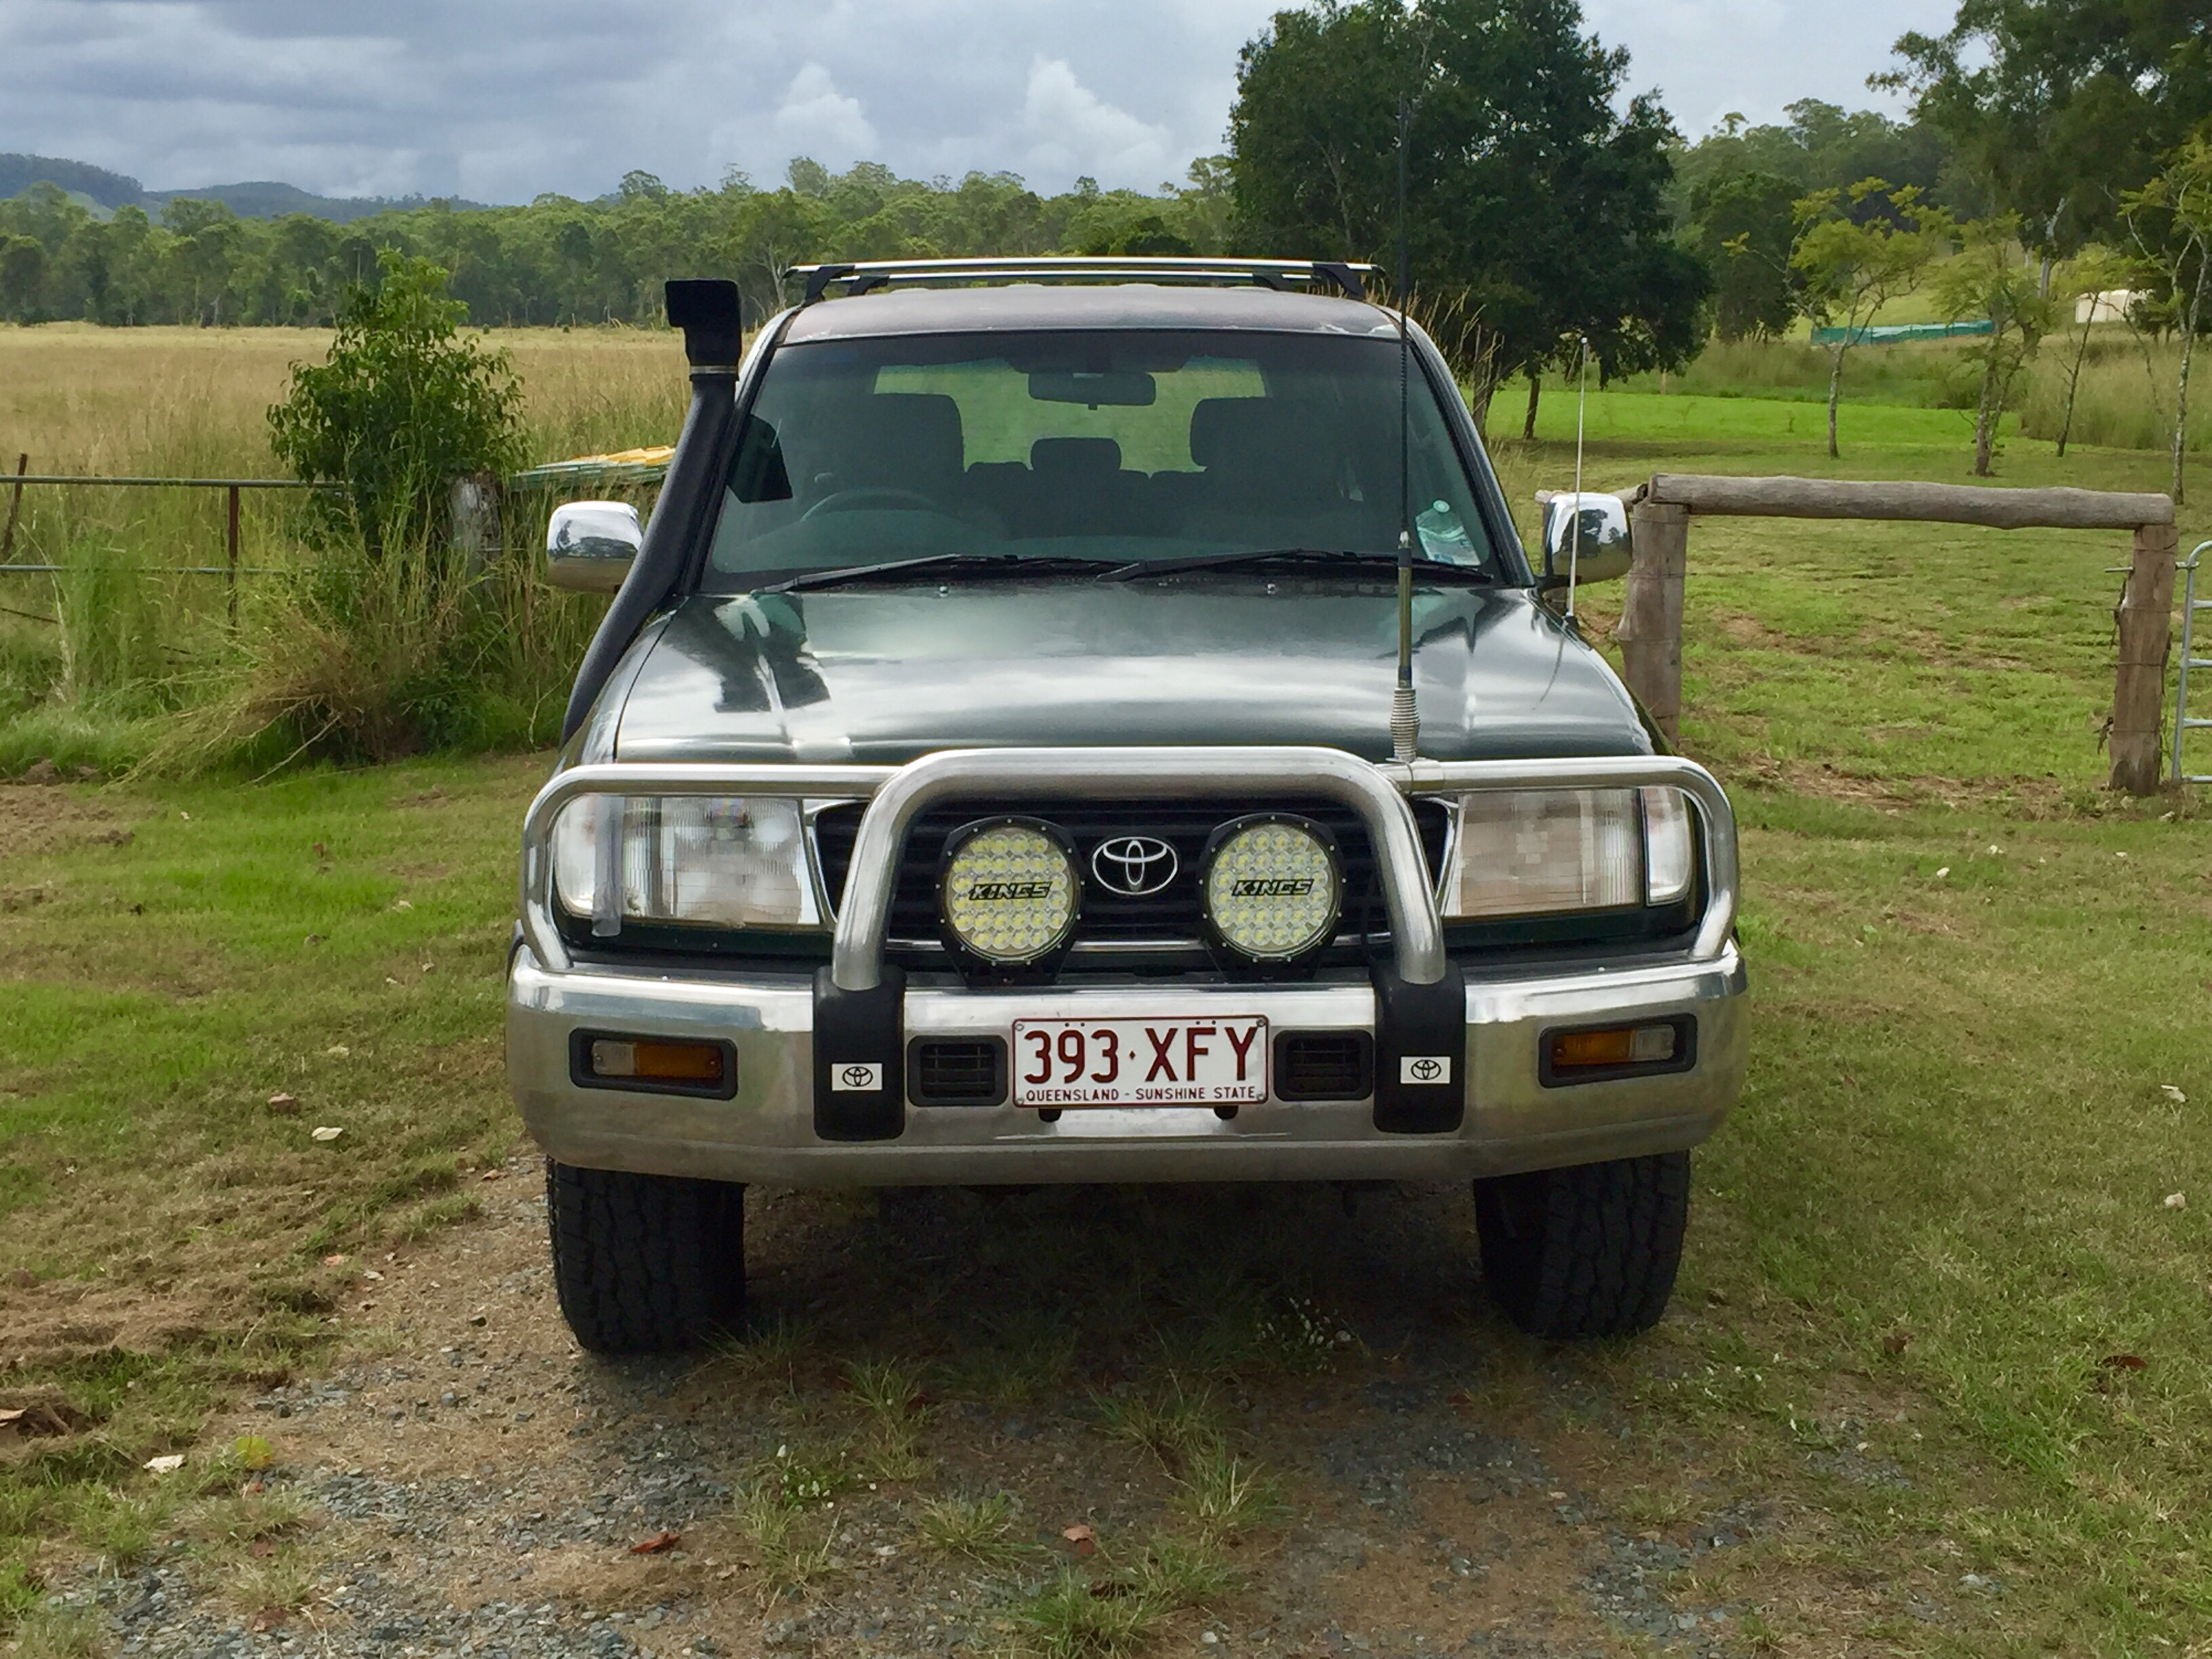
x: 1135, y: 866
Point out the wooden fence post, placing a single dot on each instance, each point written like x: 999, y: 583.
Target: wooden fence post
x: 230, y: 555
x: 2145, y: 618
x: 1651, y: 630
x: 14, y: 507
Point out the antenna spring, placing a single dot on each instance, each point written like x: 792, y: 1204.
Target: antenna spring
x: 1405, y: 725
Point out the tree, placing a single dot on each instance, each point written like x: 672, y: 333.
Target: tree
x: 1822, y: 146
x: 22, y: 278
x: 2094, y: 272
x: 209, y: 238
x: 1986, y: 278
x: 2062, y: 105
x: 1743, y: 226
x: 2170, y: 220
x: 1206, y: 201
x: 402, y: 407
x: 1535, y: 207
x: 1852, y: 269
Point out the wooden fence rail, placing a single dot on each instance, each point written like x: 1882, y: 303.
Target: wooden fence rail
x: 1650, y: 631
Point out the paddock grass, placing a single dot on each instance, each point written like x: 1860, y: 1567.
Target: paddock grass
x: 75, y: 397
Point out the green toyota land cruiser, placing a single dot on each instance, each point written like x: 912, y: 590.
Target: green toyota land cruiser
x: 1093, y: 720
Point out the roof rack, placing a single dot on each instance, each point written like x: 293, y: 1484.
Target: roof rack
x: 860, y: 277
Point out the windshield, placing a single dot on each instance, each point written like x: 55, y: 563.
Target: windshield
x: 1117, y: 445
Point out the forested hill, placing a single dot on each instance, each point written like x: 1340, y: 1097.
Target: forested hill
x: 253, y: 199
x: 110, y: 190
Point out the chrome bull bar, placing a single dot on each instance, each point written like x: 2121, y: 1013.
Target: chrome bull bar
x: 896, y: 795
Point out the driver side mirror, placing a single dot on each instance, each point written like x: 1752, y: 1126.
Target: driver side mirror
x: 1602, y: 522
x: 591, y: 545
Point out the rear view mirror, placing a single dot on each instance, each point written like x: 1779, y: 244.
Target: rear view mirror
x: 1077, y: 386
x: 590, y: 545
x: 1603, y: 523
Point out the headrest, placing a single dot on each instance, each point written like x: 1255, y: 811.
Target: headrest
x: 1233, y: 429
x: 915, y: 434
x: 1071, y: 457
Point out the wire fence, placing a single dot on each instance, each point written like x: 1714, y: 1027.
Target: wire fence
x: 233, y: 489
x: 626, y: 473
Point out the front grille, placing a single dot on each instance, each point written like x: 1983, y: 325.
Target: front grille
x: 1169, y: 916
x: 1324, y: 1065
x: 957, y: 1071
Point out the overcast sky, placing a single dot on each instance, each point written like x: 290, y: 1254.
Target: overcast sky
x: 499, y: 99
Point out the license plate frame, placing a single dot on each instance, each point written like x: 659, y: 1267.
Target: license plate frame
x: 1156, y: 1060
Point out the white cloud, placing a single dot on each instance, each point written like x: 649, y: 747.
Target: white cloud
x: 818, y: 120
x: 507, y: 97
x: 1071, y: 128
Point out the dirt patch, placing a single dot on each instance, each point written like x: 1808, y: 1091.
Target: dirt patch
x: 1750, y: 631
x: 68, y: 1320
x: 28, y: 1414
x: 2030, y: 798
x: 34, y: 820
x: 1933, y: 648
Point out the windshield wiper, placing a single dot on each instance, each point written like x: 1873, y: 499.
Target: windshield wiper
x: 946, y: 564
x: 1138, y: 569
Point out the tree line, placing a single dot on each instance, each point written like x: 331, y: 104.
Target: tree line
x: 559, y: 262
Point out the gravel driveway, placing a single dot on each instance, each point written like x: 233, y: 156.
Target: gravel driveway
x: 1059, y: 1363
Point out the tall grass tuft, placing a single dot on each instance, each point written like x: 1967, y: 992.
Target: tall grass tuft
x: 109, y: 622
x: 2125, y: 398
x: 354, y: 655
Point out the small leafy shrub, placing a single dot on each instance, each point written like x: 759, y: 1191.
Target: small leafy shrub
x: 402, y: 407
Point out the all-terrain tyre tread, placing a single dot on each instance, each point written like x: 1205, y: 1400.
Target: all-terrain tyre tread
x: 1587, y: 1251
x: 642, y: 1263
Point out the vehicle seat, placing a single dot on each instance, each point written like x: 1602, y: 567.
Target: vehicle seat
x: 1269, y: 472
x: 1077, y: 488
x: 898, y: 440
x: 995, y: 494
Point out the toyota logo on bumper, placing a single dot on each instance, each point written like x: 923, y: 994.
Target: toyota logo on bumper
x: 1135, y: 866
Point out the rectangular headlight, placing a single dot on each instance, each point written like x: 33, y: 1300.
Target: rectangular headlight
x: 720, y: 861
x: 1538, y: 852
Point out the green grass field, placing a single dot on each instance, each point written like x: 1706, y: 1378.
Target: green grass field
x: 1957, y: 1234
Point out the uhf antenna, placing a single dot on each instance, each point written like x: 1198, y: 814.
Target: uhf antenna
x: 1405, y: 720
x: 1575, y: 531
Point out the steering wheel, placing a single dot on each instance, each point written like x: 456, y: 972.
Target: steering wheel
x: 869, y: 498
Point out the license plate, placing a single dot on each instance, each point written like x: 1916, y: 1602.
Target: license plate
x: 1212, y: 1060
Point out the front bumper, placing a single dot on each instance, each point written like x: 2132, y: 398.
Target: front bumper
x: 1493, y: 1114
x: 766, y: 1131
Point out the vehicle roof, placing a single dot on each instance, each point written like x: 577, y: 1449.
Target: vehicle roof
x: 1026, y: 306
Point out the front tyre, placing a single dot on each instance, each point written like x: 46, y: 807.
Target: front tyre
x: 645, y: 1263
x: 1587, y: 1251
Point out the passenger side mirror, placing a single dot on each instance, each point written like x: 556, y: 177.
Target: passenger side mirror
x: 590, y: 545
x: 1604, y: 554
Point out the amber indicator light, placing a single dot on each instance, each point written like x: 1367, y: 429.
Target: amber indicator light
x: 1625, y: 1045
x: 652, y: 1061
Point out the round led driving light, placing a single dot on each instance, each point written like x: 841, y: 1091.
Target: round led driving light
x: 1272, y: 888
x: 1009, y: 891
